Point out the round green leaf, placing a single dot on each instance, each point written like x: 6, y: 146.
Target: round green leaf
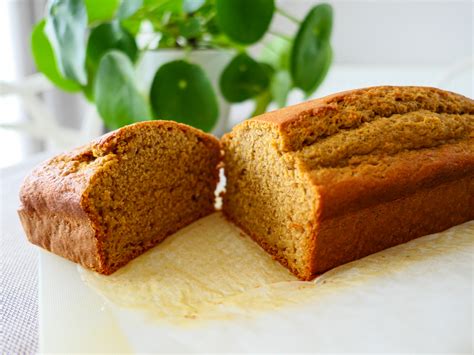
x: 244, y: 21
x: 102, y: 39
x: 182, y: 92
x: 109, y: 36
x: 243, y: 78
x: 309, y: 54
x: 44, y: 59
x: 319, y: 21
x: 280, y: 87
x: 66, y: 26
x: 101, y: 10
x: 128, y: 8
x: 117, y: 97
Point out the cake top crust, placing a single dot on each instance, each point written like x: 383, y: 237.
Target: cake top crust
x: 303, y: 124
x: 376, y: 95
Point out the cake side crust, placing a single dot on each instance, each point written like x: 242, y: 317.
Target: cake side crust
x: 70, y: 237
x: 365, y: 185
x: 354, y: 235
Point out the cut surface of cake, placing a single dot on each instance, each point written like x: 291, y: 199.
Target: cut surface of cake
x: 335, y: 179
x: 105, y: 203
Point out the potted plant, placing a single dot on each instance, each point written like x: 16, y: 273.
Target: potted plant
x: 183, y: 60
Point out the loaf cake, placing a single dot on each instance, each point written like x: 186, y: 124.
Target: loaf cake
x: 105, y: 203
x: 332, y: 180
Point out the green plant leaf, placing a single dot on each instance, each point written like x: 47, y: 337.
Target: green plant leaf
x: 66, y: 26
x: 101, y: 10
x: 109, y: 36
x: 117, y: 97
x: 190, y: 6
x: 103, y: 38
x: 44, y: 59
x: 128, y: 8
x: 280, y: 87
x: 244, y: 21
x: 182, y: 92
x: 309, y: 56
x: 243, y: 78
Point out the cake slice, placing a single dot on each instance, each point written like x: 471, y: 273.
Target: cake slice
x: 106, y: 203
x: 332, y: 180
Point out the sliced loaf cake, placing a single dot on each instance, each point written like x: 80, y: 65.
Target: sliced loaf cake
x: 332, y: 180
x: 106, y: 203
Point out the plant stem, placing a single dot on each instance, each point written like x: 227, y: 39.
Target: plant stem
x: 153, y: 38
x: 187, y: 53
x: 270, y: 49
x: 261, y: 103
x: 279, y: 35
x: 288, y: 16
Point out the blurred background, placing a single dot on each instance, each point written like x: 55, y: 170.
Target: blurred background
x: 373, y: 43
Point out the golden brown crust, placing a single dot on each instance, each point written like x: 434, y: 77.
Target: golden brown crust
x: 351, y: 236
x: 55, y: 211
x: 285, y: 116
x: 403, y: 174
x: 112, y: 140
x: 304, y: 123
x: 71, y: 237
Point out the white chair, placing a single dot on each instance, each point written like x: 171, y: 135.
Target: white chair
x: 41, y: 122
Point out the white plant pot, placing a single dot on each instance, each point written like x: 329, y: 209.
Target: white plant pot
x: 212, y: 61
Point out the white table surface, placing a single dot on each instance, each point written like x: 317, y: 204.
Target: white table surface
x: 19, y: 260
